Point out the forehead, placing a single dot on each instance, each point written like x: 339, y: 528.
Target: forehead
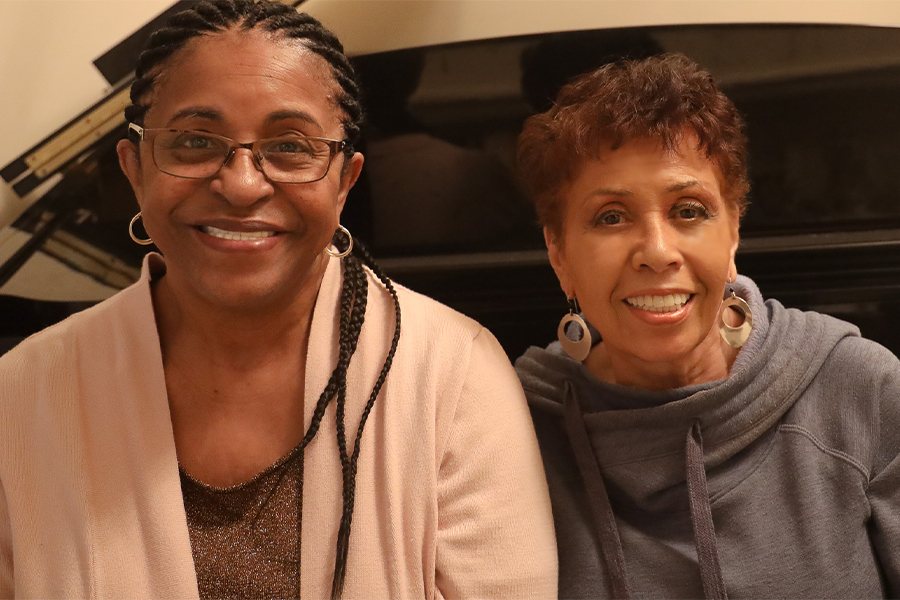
x: 245, y: 76
x: 646, y: 162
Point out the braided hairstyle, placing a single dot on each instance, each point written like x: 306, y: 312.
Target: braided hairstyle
x: 210, y: 18
x: 207, y: 18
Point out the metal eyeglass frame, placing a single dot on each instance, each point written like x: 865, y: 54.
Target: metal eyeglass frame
x: 334, y: 146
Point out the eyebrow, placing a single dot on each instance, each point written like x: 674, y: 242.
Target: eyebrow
x: 611, y: 192
x: 684, y: 185
x: 211, y: 114
x: 201, y: 112
x: 284, y: 115
x: 623, y: 193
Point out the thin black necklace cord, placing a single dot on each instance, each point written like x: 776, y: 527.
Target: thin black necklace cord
x: 610, y: 544
x: 701, y: 517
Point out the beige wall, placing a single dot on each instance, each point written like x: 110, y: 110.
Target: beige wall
x: 46, y: 53
x: 361, y: 24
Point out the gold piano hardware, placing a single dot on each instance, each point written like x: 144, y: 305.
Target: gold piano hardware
x: 81, y: 134
x: 101, y: 266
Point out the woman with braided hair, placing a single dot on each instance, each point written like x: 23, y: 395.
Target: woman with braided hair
x: 248, y: 420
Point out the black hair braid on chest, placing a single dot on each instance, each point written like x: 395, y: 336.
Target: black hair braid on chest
x: 367, y: 259
x: 353, y: 310
x: 350, y: 475
x: 346, y: 348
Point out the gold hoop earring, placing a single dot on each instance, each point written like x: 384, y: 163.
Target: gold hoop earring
x: 578, y: 348
x: 735, y: 336
x: 334, y: 240
x: 136, y: 239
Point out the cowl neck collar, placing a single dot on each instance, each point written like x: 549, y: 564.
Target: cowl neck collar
x: 630, y: 426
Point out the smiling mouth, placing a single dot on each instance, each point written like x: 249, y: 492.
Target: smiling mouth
x: 659, y: 304
x: 235, y: 235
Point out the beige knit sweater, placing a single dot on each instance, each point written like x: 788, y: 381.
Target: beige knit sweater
x: 450, y: 502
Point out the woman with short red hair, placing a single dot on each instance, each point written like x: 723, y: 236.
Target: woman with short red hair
x: 698, y: 440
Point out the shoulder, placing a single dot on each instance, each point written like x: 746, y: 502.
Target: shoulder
x: 55, y: 352
x: 436, y: 323
x: 440, y: 349
x: 53, y: 340
x: 131, y: 307
x: 454, y: 369
x: 864, y: 357
x: 852, y: 405
x: 454, y: 344
x: 858, y: 366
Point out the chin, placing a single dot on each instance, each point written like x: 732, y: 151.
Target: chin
x: 665, y: 348
x: 249, y: 292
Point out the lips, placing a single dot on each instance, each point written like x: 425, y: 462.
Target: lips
x: 659, y: 303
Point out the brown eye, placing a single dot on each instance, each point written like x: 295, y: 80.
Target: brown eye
x: 198, y: 142
x: 609, y: 218
x: 691, y: 212
x: 194, y: 141
x: 291, y: 147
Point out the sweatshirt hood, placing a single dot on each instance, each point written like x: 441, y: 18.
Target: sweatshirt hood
x: 626, y: 425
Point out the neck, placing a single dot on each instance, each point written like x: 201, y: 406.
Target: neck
x: 710, y: 361
x: 236, y: 335
x: 235, y: 377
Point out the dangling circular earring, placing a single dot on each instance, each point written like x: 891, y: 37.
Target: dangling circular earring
x: 579, y: 348
x: 136, y: 239
x: 735, y: 336
x: 345, y: 252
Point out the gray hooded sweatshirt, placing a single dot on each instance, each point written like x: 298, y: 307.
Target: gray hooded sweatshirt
x: 795, y: 453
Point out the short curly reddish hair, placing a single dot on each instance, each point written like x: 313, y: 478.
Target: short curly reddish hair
x: 660, y: 98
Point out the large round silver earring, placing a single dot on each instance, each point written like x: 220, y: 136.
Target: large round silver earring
x: 345, y: 252
x: 578, y: 348
x: 136, y: 239
x: 735, y: 336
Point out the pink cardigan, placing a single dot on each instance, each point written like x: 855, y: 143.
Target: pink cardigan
x: 451, y: 499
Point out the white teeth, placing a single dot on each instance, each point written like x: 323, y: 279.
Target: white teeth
x: 659, y: 304
x: 235, y: 235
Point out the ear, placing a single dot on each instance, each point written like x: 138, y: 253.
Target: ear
x: 349, y: 174
x: 558, y: 261
x: 130, y: 163
x: 736, y: 240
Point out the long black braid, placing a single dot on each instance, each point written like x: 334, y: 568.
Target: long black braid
x: 206, y: 18
x: 352, y: 314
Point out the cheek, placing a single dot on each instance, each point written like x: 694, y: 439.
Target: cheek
x: 319, y: 203
x: 161, y: 195
x: 596, y: 266
x: 710, y: 255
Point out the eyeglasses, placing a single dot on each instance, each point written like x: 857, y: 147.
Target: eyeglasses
x: 198, y: 154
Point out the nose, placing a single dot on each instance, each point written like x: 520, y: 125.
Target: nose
x: 657, y: 247
x: 241, y: 180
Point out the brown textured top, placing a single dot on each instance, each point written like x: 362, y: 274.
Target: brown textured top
x: 244, y: 537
